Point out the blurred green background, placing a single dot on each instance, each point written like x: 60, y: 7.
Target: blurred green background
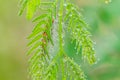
x: 103, y: 18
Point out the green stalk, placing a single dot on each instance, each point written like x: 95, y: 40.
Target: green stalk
x: 60, y: 25
x: 60, y: 33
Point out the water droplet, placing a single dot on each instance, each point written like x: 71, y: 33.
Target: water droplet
x: 108, y: 1
x: 63, y: 44
x: 96, y: 62
x: 98, y: 59
x: 73, y: 8
x: 68, y: 74
x: 42, y: 63
x: 70, y: 15
x: 93, y: 48
x: 59, y: 14
x: 64, y: 60
x: 77, y: 52
x: 75, y: 47
x: 74, y: 71
x: 65, y: 5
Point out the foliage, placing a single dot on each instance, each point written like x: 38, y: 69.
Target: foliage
x: 57, y: 17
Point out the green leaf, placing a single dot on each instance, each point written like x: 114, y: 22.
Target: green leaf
x: 34, y: 56
x: 45, y: 66
x: 23, y: 4
x: 42, y: 16
x: 38, y: 37
x: 32, y: 7
x: 33, y: 34
x: 42, y: 22
x: 36, y: 45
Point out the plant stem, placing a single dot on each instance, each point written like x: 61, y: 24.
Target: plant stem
x: 60, y: 25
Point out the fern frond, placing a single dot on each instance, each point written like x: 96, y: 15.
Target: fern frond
x: 42, y: 16
x: 74, y: 70
x: 56, y: 14
x: 23, y: 4
x: 31, y: 6
x: 38, y: 63
x: 51, y: 73
x: 78, y: 29
x: 39, y: 39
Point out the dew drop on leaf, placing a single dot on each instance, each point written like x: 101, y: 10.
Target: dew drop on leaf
x: 59, y: 14
x: 70, y: 15
x: 63, y: 44
x: 75, y: 47
x: 77, y: 52
x: 65, y: 5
